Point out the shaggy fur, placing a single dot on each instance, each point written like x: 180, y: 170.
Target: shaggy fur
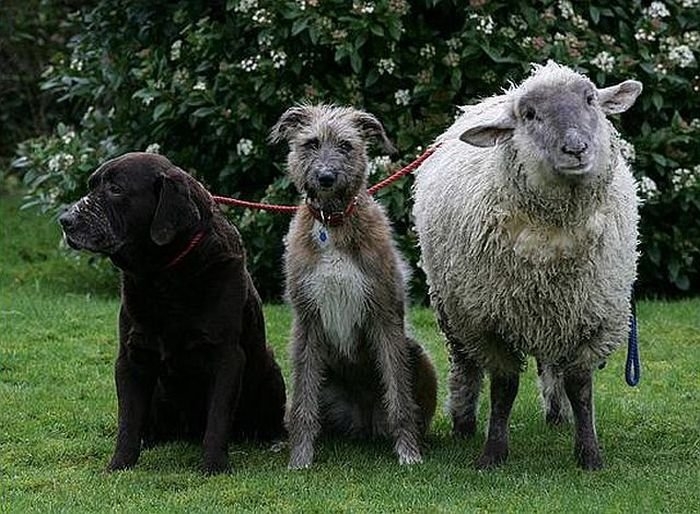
x: 528, y: 238
x: 193, y: 363
x: 356, y: 371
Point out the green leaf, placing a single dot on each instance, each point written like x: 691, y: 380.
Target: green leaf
x: 203, y: 112
x: 657, y: 100
x: 160, y: 110
x: 371, y: 78
x: 595, y: 14
x: 356, y: 62
x: 299, y: 26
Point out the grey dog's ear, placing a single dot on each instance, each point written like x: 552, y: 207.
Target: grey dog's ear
x: 289, y: 122
x: 372, y: 128
x: 176, y: 210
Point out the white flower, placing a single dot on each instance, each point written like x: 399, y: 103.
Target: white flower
x: 244, y: 147
x: 60, y: 161
x: 451, y: 59
x: 427, y: 51
x: 567, y: 10
x: 146, y: 100
x: 681, y: 55
x: 363, y: 7
x: 379, y: 164
x: 386, y: 66
x: 690, y: 3
x: 76, y: 64
x: 245, y: 6
x: 657, y: 10
x: 643, y: 35
x: 604, y: 61
x: 684, y: 178
x: 265, y: 40
x: 402, y: 97
x: 68, y: 137
x: 453, y: 44
x: 279, y: 58
x: 200, y: 85
x: 250, y: 64
x: 484, y: 24
x: 692, y: 38
x: 175, y: 50
x: 647, y: 188
x: 627, y: 150
x: 262, y: 16
x: 153, y: 148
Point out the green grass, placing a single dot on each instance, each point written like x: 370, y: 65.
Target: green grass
x: 58, y: 419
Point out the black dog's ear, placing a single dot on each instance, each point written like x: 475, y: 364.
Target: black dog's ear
x: 372, y: 128
x: 289, y: 122
x: 176, y: 210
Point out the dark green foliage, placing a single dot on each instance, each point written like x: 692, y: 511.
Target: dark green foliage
x: 206, y: 80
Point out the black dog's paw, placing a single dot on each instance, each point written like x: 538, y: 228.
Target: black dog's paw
x: 216, y: 464
x: 120, y: 462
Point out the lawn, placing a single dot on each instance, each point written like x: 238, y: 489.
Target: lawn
x: 58, y: 418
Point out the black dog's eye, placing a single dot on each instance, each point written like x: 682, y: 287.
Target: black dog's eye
x: 311, y: 144
x: 529, y: 113
x: 114, y: 189
x: 345, y: 146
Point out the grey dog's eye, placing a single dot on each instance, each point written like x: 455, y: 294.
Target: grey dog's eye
x: 345, y: 146
x: 311, y: 144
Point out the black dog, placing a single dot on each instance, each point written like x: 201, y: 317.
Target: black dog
x: 193, y: 361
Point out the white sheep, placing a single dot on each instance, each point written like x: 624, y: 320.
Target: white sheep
x: 528, y: 236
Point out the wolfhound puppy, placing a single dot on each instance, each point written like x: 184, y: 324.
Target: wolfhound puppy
x: 356, y: 372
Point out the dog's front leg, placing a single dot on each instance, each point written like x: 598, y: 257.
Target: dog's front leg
x: 223, y: 400
x: 303, y: 421
x: 135, y: 374
x: 393, y: 361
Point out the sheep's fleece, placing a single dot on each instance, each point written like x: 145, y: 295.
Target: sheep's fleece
x: 522, y: 257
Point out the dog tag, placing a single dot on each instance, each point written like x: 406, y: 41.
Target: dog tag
x: 323, y: 237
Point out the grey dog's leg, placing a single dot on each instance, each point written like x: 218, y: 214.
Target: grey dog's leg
x: 402, y: 411
x: 504, y: 389
x: 579, y: 388
x: 304, y: 423
x: 465, y: 380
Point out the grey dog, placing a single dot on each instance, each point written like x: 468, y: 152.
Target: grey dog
x: 356, y: 372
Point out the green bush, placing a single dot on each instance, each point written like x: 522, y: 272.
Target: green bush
x: 202, y: 82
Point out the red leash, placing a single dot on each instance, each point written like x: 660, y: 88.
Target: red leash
x: 409, y: 168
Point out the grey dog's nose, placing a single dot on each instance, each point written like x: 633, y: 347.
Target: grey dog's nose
x: 326, y: 178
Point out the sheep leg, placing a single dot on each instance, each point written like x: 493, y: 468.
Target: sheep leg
x: 504, y: 389
x: 579, y: 389
x: 556, y: 405
x: 465, y: 380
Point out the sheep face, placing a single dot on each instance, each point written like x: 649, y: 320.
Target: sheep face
x: 556, y: 121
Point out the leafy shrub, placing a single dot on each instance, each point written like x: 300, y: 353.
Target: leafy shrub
x: 202, y: 82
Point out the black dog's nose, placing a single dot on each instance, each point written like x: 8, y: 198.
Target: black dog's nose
x: 326, y: 178
x: 67, y: 219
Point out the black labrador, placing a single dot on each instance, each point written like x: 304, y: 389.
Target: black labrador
x: 193, y: 362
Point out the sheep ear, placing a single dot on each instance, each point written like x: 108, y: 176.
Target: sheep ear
x: 490, y: 133
x: 176, y: 211
x: 619, y: 98
x: 289, y: 122
x: 372, y: 128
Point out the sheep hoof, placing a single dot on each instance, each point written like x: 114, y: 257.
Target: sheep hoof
x: 492, y: 458
x: 589, y: 459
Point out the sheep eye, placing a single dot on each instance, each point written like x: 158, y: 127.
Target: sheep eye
x: 530, y: 113
x: 311, y: 144
x: 590, y: 98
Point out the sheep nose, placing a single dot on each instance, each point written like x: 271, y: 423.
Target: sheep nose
x: 326, y: 178
x: 574, y: 143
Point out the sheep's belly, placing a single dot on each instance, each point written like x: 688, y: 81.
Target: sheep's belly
x: 336, y: 287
